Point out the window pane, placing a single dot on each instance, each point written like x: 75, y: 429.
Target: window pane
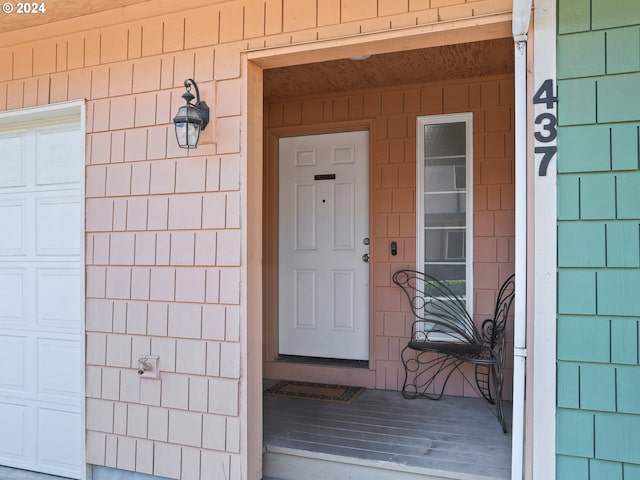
x: 442, y: 245
x: 445, y: 209
x: 444, y: 177
x: 445, y: 139
x: 460, y: 176
x: 455, y: 274
x: 455, y: 245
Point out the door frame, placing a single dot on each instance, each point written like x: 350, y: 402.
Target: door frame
x: 255, y: 139
x: 271, y: 225
x: 51, y: 115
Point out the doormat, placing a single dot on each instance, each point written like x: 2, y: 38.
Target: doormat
x: 314, y: 391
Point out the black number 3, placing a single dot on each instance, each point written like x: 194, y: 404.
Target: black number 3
x: 550, y: 127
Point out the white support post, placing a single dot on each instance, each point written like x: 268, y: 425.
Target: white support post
x: 543, y: 349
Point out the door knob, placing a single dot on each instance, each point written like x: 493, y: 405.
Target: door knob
x: 365, y: 257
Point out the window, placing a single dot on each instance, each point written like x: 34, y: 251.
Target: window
x: 444, y: 200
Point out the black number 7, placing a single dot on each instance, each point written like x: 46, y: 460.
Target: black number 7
x: 548, y: 152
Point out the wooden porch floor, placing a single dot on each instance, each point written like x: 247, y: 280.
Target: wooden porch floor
x: 454, y: 438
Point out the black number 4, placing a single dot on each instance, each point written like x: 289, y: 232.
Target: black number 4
x: 545, y: 94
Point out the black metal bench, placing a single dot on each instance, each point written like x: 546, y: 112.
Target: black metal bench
x: 444, y: 336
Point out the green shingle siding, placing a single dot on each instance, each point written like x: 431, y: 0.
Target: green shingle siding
x: 575, y: 433
x: 618, y: 292
x: 623, y: 50
x: 597, y: 196
x: 578, y: 292
x: 581, y: 244
x: 585, y: 149
x: 624, y: 147
x: 598, y: 387
x: 568, y: 196
x: 577, y: 101
x: 623, y: 244
x: 569, y: 377
x: 599, y: 148
x: 572, y: 468
x: 599, y: 244
x: 631, y: 472
x: 625, y: 340
x: 618, y: 97
x: 574, y: 16
x: 628, y: 195
x: 599, y: 469
x: 628, y: 389
x: 583, y: 339
x: 617, y: 437
x: 581, y: 55
x: 614, y: 13
x: 598, y: 336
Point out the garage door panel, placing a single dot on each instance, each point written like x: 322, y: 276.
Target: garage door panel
x: 13, y: 169
x: 58, y: 231
x: 13, y: 352
x: 57, y: 298
x: 12, y: 290
x: 59, y: 355
x: 13, y: 218
x: 34, y: 433
x: 15, y: 428
x: 59, y: 440
x: 53, y: 151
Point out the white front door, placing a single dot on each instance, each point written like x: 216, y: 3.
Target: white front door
x: 41, y: 299
x: 323, y: 246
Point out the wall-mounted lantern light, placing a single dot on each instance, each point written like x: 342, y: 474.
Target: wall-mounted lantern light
x: 191, y: 118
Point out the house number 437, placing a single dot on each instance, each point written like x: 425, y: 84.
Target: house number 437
x: 546, y: 126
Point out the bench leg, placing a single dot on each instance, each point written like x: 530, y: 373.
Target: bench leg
x: 498, y: 381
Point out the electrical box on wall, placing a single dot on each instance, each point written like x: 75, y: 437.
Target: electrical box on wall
x: 148, y: 366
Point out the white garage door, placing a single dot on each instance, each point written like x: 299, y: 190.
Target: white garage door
x: 41, y: 298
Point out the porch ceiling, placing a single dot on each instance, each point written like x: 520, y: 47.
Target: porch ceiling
x: 465, y: 60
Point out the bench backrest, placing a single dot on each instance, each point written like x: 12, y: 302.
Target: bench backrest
x: 493, y: 328
x: 438, y: 308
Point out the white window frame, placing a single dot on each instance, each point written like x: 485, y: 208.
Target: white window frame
x: 421, y: 122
